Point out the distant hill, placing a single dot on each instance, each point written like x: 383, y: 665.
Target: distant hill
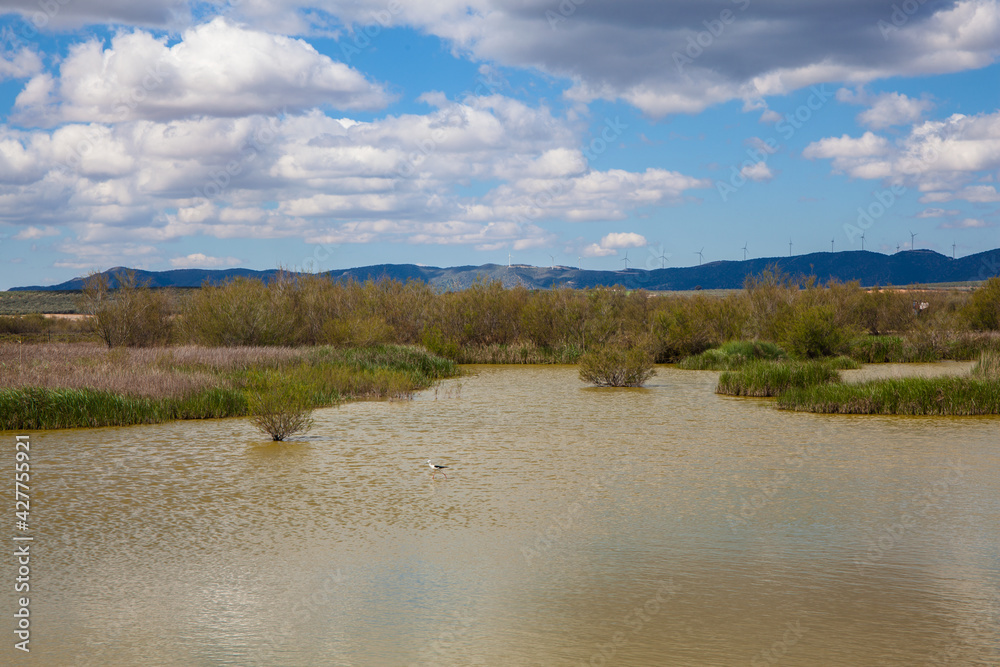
x: 869, y: 268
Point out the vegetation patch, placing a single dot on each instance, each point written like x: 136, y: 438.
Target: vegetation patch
x: 63, y: 386
x: 615, y: 366
x: 901, y: 396
x: 732, y: 355
x: 772, y: 378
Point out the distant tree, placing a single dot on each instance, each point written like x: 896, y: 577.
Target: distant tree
x: 983, y: 309
x: 131, y: 314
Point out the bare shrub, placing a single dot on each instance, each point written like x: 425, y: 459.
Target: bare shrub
x: 130, y: 315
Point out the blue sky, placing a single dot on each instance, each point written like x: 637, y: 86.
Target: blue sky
x: 320, y: 135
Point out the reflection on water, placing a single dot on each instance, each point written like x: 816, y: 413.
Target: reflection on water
x: 661, y: 526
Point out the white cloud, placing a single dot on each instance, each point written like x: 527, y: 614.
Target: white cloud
x: 595, y: 250
x: 968, y: 223
x: 623, y: 240
x: 759, y: 171
x: 309, y: 176
x: 943, y: 159
x: 201, y: 261
x: 894, y: 109
x: 937, y: 213
x: 30, y: 233
x: 979, y: 194
x: 19, y: 65
x: 217, y: 69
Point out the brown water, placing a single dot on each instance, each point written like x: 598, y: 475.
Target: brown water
x: 660, y: 526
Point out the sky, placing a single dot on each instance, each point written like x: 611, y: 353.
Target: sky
x: 323, y: 134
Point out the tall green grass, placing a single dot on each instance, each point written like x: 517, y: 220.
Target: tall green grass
x: 900, y: 396
x: 732, y: 355
x: 772, y: 378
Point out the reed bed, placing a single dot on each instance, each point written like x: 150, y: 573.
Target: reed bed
x: 771, y: 378
x: 900, y: 396
x: 987, y: 367
x: 518, y: 353
x: 66, y: 385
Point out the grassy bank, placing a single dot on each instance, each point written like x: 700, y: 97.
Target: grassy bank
x: 904, y: 396
x: 730, y: 356
x: 63, y: 386
x: 772, y: 378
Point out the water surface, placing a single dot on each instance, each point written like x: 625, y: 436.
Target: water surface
x: 656, y: 526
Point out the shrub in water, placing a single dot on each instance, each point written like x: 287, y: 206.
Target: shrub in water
x: 613, y: 366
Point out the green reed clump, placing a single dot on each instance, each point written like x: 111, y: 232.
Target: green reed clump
x: 732, y: 355
x: 771, y: 378
x: 899, y: 396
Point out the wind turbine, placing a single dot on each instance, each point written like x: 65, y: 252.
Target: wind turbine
x: 663, y: 261
x: 897, y: 247
x: 579, y: 263
x: 789, y: 247
x: 831, y: 244
x: 862, y: 240
x: 912, y: 236
x: 953, y: 251
x: 553, y: 261
x: 626, y: 260
x: 508, y: 259
x: 744, y: 252
x: 701, y: 256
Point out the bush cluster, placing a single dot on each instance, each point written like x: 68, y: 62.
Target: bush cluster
x: 488, y: 322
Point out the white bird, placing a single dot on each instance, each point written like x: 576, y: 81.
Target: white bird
x: 437, y: 468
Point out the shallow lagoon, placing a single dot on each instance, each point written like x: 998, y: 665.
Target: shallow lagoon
x: 655, y: 526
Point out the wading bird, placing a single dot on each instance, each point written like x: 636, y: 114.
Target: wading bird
x: 437, y: 469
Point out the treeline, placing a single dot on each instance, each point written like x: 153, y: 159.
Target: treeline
x: 490, y: 323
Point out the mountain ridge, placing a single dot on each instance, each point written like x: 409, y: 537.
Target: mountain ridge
x: 869, y: 268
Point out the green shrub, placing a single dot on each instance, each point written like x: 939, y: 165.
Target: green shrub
x: 983, y: 310
x: 614, y: 366
x: 732, y: 355
x: 280, y: 406
x: 813, y: 332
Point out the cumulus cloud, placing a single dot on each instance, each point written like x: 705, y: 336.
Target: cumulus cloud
x: 216, y: 69
x: 943, y: 159
x: 20, y: 64
x: 623, y: 240
x: 683, y: 56
x: 664, y: 58
x: 202, y: 261
x: 759, y: 171
x: 887, y: 109
x: 143, y: 182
